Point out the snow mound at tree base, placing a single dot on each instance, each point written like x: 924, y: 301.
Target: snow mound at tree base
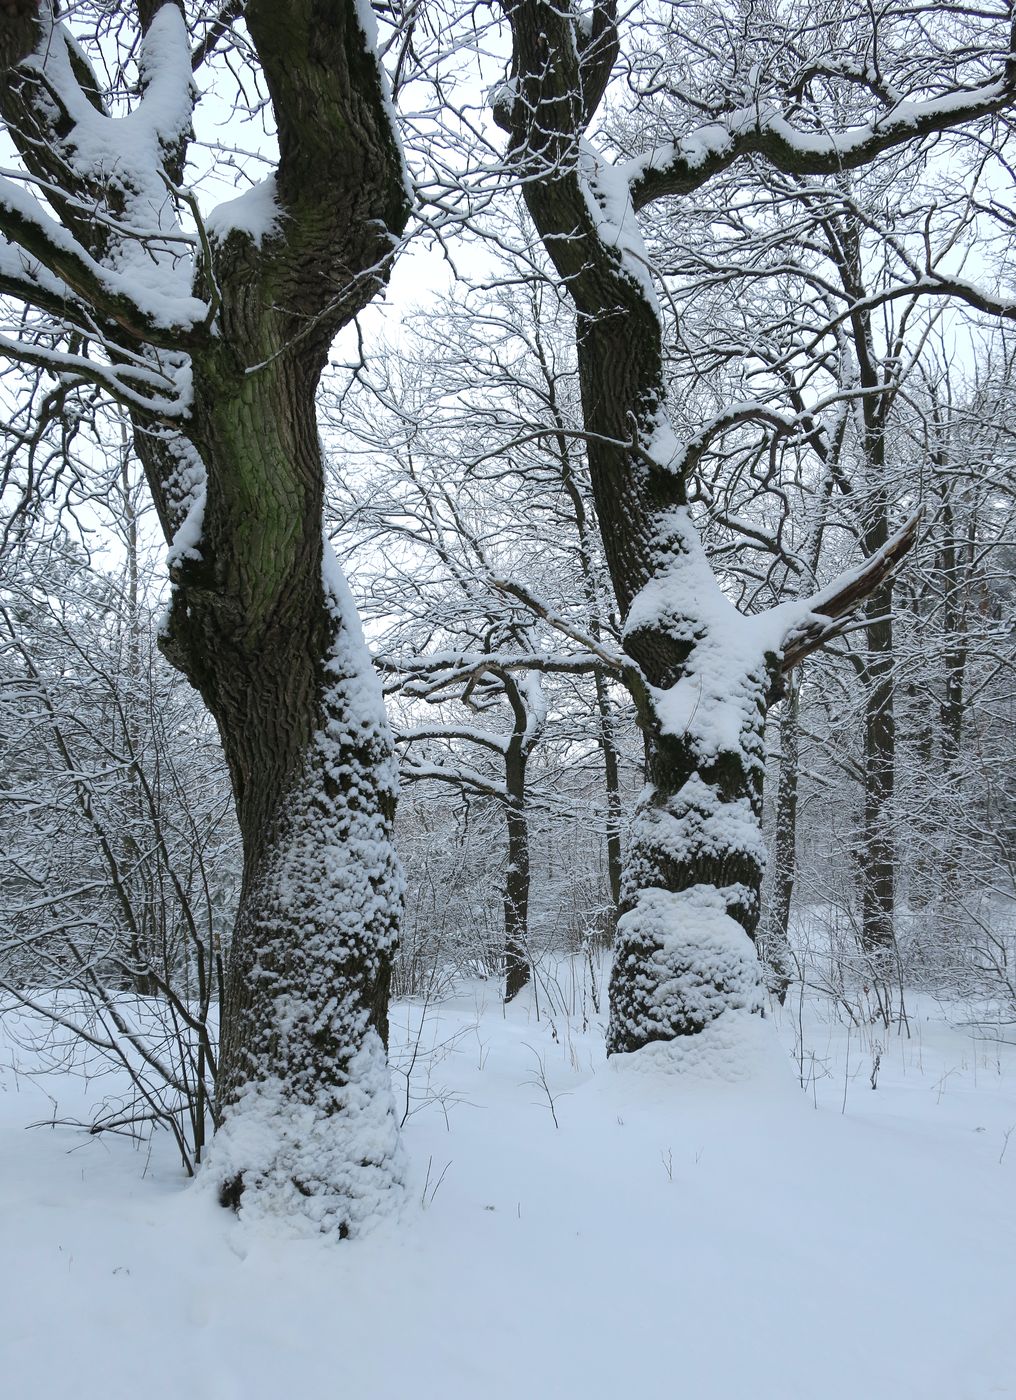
x: 738, y: 1048
x: 333, y: 1167
x: 681, y: 963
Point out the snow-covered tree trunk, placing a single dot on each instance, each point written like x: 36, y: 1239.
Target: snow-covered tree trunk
x: 262, y: 624
x: 303, y: 1077
x: 517, y: 958
x: 525, y: 697
x: 689, y: 901
x: 702, y: 673
x: 775, y: 941
x: 216, y: 349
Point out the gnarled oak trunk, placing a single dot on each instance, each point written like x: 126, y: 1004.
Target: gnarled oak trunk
x: 217, y: 349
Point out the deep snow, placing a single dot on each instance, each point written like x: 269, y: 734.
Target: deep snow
x: 678, y: 1234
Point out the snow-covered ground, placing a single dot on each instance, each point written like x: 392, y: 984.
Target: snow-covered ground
x: 668, y: 1235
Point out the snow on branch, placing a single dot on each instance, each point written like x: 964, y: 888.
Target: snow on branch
x: 442, y: 670
x: 458, y: 775
x: 486, y: 738
x: 612, y: 660
x: 110, y: 183
x: 89, y: 229
x: 123, y: 382
x: 829, y: 609
x: 683, y: 166
x: 146, y: 311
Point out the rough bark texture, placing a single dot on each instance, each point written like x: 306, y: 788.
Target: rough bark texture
x: 517, y: 955
x: 690, y: 891
x: 702, y: 674
x: 516, y: 885
x: 277, y: 655
x: 607, y: 738
x: 261, y: 620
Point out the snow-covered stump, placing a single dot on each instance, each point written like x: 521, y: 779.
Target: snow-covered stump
x: 309, y: 1131
x: 690, y: 904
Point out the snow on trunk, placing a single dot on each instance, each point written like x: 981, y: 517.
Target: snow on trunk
x: 684, y: 953
x: 310, y: 1135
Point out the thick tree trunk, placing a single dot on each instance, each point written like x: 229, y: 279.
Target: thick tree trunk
x: 260, y: 620
x: 262, y: 624
x: 703, y: 673
x: 690, y: 891
x: 692, y: 878
x: 305, y: 1024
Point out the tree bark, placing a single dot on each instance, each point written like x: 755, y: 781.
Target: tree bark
x: 877, y: 847
x: 877, y: 856
x: 526, y: 726
x: 689, y: 900
x: 517, y: 877
x: 702, y: 673
x: 261, y: 621
x: 263, y: 625
x: 273, y: 644
x: 607, y: 740
x: 775, y: 941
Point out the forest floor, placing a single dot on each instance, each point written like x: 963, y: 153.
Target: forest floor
x: 573, y: 1227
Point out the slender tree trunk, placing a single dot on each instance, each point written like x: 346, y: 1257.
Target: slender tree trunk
x: 606, y: 732
x: 952, y: 556
x: 877, y: 857
x: 517, y: 953
x: 956, y: 640
x: 607, y: 740
x: 143, y: 939
x: 878, y: 854
x: 774, y: 941
x: 777, y: 954
x: 517, y: 878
